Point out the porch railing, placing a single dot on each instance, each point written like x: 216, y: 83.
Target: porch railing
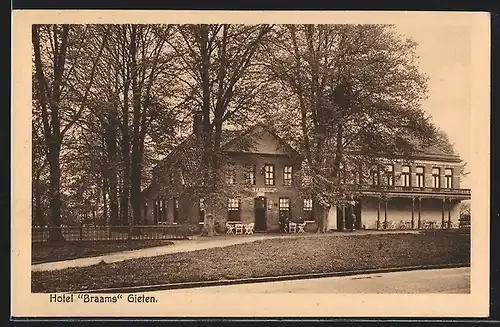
x: 111, y: 233
x: 413, y: 189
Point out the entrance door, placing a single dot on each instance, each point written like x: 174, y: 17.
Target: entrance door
x: 260, y: 213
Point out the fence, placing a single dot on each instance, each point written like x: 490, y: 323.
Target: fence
x: 111, y: 233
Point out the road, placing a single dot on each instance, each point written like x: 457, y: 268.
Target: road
x: 456, y: 280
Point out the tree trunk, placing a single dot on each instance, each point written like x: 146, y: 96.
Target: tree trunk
x: 105, y: 219
x: 113, y: 197
x: 136, y: 156
x: 55, y: 233
x: 125, y: 194
x: 39, y: 218
x: 112, y: 170
x: 209, y: 225
x: 135, y: 190
x: 119, y: 194
x: 124, y: 202
x: 321, y: 218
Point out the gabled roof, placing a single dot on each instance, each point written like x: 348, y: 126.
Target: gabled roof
x: 229, y: 137
x: 247, y: 132
x: 187, y: 148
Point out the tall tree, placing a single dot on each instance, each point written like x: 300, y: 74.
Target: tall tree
x: 39, y: 167
x: 135, y: 79
x: 56, y: 51
x: 357, y: 89
x: 217, y: 66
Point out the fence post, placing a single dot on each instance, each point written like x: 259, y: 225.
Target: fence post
x: 81, y: 232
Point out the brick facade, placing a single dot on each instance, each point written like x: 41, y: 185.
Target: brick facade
x: 269, y: 149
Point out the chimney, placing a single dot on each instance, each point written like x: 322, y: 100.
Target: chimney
x: 197, y: 123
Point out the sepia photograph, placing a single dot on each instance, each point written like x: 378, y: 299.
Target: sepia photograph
x: 177, y: 163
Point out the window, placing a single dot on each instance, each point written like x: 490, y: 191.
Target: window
x: 390, y: 174
x: 420, y: 176
x: 308, y: 204
x: 233, y: 209
x: 405, y: 176
x: 436, y: 173
x: 287, y: 175
x: 448, y: 178
x: 160, y: 210
x: 176, y: 210
x: 231, y: 175
x: 375, y: 176
x: 308, y: 207
x: 284, y: 208
x: 269, y: 174
x: 171, y: 178
x: 201, y: 209
x: 156, y: 204
x: 250, y: 174
x: 145, y: 208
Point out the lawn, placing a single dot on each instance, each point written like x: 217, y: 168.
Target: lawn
x: 272, y: 257
x: 46, y: 252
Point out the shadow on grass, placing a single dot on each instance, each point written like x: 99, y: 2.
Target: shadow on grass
x: 51, y: 252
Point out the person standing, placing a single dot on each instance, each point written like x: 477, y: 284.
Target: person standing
x: 282, y: 223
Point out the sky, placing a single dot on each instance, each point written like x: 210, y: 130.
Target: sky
x: 444, y: 53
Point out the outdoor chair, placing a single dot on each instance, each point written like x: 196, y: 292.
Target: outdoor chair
x: 249, y: 228
x: 229, y: 228
x: 292, y: 227
x: 402, y: 224
x: 238, y: 229
x: 301, y: 227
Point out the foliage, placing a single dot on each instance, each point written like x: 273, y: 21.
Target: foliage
x: 357, y: 90
x: 114, y: 108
